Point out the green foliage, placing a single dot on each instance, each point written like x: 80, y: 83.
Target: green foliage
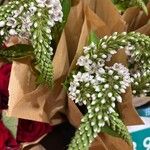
x: 122, y: 5
x: 16, y: 52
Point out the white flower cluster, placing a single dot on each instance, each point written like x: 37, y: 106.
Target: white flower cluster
x: 143, y: 89
x: 54, y: 9
x: 139, y: 62
x: 93, y: 59
x: 129, y: 49
x: 95, y: 78
x: 20, y: 20
x: 89, y: 86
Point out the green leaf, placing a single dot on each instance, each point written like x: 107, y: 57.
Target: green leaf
x: 16, y: 52
x: 121, y: 130
x: 66, y: 5
x: 108, y: 130
x: 93, y: 38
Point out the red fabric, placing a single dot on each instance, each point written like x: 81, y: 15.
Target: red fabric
x: 4, y: 78
x: 29, y: 131
x: 7, y: 142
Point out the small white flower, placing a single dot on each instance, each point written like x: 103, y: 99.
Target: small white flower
x: 92, y: 123
x: 119, y: 99
x: 97, y: 109
x: 51, y: 23
x: 83, y: 61
x: 124, y: 33
x: 104, y: 46
x: 105, y: 37
x: 77, y: 91
x: 111, y: 110
x: 2, y: 24
x: 115, y: 33
x: 2, y: 32
x: 86, y: 77
x: 123, y: 87
x: 110, y: 94
x: 99, y: 95
x: 93, y: 45
x: 94, y: 56
x: 11, y: 22
x: 113, y: 99
x: 114, y: 37
x: 32, y: 9
x: 101, y: 79
x: 116, y: 77
x: 12, y: 32
x: 101, y: 124
x: 35, y: 25
x: 101, y: 70
x: 104, y: 56
x: 134, y: 91
x: 86, y: 49
x: 93, y: 97
x: 39, y: 14
x: 127, y: 51
x: 77, y: 100
x: 145, y: 91
x: 113, y: 105
x: 16, y: 13
x: 87, y: 84
x: 97, y: 89
x: 41, y: 1
x: 93, y: 103
x: 99, y: 116
x: 84, y: 102
x: 113, y: 52
x: 103, y: 101
x: 110, y: 72
x: 109, y: 57
x: 122, y: 90
x: 88, y: 95
x: 106, y: 86
x: 78, y: 77
x: 106, y: 118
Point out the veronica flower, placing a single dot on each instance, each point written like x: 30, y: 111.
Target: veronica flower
x: 32, y: 9
x: 11, y: 22
x: 2, y: 24
x: 16, y: 13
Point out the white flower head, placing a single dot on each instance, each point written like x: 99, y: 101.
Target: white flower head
x: 12, y: 32
x: 11, y: 22
x: 2, y: 24
x: 84, y: 61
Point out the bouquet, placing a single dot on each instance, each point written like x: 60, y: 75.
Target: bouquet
x: 40, y: 23
x: 99, y: 87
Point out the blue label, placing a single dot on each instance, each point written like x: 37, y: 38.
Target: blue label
x: 144, y: 111
x: 141, y: 139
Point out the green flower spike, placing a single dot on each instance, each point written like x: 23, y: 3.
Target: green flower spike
x: 122, y: 5
x: 36, y: 21
x: 139, y: 66
x: 99, y: 87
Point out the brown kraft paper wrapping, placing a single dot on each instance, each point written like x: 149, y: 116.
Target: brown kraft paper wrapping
x: 139, y: 101
x: 73, y: 29
x: 136, y: 18
x: 40, y: 103
x: 104, y: 142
